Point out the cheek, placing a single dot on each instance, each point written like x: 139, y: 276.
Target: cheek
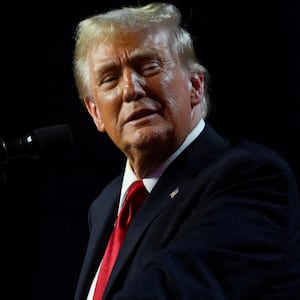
x: 109, y: 106
x: 176, y: 92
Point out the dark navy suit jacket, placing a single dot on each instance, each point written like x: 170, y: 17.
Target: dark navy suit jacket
x: 221, y: 223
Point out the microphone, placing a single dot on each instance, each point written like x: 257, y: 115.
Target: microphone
x: 41, y: 142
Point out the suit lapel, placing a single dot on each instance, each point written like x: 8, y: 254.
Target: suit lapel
x: 156, y: 202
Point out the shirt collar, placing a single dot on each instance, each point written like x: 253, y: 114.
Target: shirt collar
x: 150, y: 181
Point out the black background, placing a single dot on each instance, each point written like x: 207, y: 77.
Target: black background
x: 251, y: 49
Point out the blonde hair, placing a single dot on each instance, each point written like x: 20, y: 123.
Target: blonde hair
x: 97, y: 28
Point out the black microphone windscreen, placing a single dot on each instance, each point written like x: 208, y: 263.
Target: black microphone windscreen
x: 53, y: 140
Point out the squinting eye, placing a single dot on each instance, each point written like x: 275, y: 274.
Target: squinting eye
x: 109, y: 79
x: 151, y: 69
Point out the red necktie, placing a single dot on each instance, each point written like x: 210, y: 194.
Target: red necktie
x: 135, y: 196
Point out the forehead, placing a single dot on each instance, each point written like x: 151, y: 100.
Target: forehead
x: 131, y: 44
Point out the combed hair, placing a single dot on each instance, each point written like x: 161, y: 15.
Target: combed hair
x: 98, y: 27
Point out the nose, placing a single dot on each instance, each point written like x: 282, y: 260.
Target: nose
x: 133, y: 86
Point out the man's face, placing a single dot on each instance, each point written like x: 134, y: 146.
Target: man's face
x: 141, y: 96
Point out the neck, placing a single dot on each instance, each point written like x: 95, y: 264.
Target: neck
x: 143, y: 163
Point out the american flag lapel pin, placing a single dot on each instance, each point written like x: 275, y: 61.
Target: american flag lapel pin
x: 174, y: 193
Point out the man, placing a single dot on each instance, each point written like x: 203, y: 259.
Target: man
x: 221, y: 219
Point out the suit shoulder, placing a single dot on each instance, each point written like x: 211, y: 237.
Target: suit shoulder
x: 244, y: 152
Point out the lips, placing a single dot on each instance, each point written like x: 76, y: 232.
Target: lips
x: 140, y: 114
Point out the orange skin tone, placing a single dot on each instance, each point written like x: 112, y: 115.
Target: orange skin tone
x: 142, y: 97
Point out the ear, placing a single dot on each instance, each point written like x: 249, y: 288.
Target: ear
x: 95, y: 113
x: 197, y: 88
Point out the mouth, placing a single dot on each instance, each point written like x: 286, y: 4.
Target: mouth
x: 141, y: 114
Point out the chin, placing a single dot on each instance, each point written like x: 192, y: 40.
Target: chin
x: 145, y: 139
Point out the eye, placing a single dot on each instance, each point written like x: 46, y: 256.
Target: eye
x: 150, y: 68
x: 109, y: 79
x: 107, y: 76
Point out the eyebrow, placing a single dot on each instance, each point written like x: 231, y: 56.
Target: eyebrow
x: 135, y: 55
x: 141, y: 53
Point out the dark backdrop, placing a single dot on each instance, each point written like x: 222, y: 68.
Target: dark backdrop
x: 252, y: 52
